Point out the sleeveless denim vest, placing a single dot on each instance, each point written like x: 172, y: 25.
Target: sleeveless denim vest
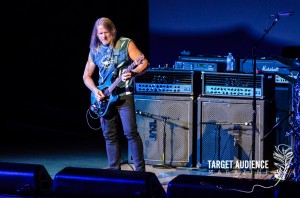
x: 108, y: 59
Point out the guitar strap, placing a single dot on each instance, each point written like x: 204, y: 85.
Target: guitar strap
x: 116, y: 55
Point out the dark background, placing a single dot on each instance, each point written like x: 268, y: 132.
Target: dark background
x: 49, y: 44
x: 47, y: 52
x: 214, y: 28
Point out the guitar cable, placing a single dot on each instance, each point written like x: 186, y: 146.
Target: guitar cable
x: 89, y: 114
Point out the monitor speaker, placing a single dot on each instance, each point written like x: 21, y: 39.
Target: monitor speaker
x: 225, y: 129
x: 24, y: 179
x: 170, y: 115
x: 189, y: 186
x: 92, y: 182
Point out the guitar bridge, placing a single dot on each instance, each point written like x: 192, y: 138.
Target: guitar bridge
x: 94, y: 108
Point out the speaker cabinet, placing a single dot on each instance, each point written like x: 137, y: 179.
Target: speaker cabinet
x: 283, y: 109
x: 92, y: 182
x: 225, y: 131
x: 189, y: 186
x: 172, y: 115
x: 24, y: 179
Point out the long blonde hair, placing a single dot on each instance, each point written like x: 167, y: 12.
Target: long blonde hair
x: 109, y: 25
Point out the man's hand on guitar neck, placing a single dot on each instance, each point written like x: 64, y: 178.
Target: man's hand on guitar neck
x: 128, y: 75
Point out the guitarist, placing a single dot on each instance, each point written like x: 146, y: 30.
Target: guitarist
x: 107, y: 52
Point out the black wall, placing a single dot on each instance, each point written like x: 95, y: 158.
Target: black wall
x: 48, y: 48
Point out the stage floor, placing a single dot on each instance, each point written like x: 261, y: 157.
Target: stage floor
x: 87, y: 150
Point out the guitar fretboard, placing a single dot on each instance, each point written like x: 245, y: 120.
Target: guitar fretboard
x: 128, y: 69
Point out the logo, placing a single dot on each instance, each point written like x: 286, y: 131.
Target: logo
x: 270, y: 69
x: 106, y: 61
x: 258, y: 166
x: 283, y: 155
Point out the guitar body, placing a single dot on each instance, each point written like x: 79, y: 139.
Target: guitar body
x: 101, y: 108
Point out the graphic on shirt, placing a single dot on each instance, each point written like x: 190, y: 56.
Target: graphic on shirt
x: 106, y: 61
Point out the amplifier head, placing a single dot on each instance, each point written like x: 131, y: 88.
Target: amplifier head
x: 196, y: 66
x: 205, y: 63
x: 169, y: 82
x: 266, y: 65
x: 238, y: 85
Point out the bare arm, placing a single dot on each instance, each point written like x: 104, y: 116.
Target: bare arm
x: 88, y: 80
x: 135, y: 53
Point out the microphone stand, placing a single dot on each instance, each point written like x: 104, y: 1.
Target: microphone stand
x: 253, y: 53
x: 165, y: 119
x: 164, y: 164
x: 219, y: 125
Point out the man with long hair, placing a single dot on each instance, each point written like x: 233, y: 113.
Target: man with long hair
x: 112, y: 56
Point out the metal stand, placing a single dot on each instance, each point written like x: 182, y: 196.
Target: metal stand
x: 253, y: 53
x: 165, y: 120
x: 164, y: 164
x: 219, y: 125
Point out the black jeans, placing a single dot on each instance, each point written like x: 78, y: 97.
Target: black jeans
x: 124, y: 108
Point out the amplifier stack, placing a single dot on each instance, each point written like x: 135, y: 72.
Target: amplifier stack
x: 165, y: 103
x: 225, y: 114
x: 182, y: 111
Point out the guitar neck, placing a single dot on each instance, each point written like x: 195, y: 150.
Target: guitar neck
x: 129, y: 68
x: 119, y: 79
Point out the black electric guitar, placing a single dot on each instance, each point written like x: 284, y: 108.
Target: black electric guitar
x: 101, y: 108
